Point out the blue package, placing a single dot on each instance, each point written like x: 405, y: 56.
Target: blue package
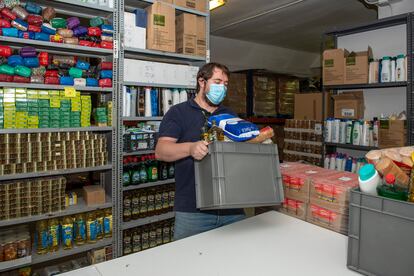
x: 14, y: 60
x: 48, y: 29
x: 11, y: 32
x: 31, y: 62
x: 66, y: 81
x: 154, y: 102
x: 141, y: 18
x: 42, y: 36
x: 107, y: 29
x: 235, y: 128
x: 26, y: 35
x: 91, y: 82
x: 33, y: 8
x: 106, y: 74
x: 83, y: 65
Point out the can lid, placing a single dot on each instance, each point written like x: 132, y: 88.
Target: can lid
x: 366, y: 172
x: 390, y: 179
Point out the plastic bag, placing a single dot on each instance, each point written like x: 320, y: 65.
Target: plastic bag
x: 83, y: 65
x: 106, y: 45
x: 80, y: 31
x: 52, y: 80
x: 60, y: 60
x: 33, y: 19
x: 58, y: 23
x: 107, y: 29
x: 86, y: 43
x: 94, y: 31
x: 65, y: 33
x: 6, y: 69
x: 66, y: 81
x: 91, y: 82
x: 39, y: 71
x: 80, y: 82
x: 75, y: 72
x: 23, y: 71
x: 10, y: 32
x: 52, y: 73
x: 106, y: 74
x: 7, y: 13
x: 37, y: 79
x: 6, y: 78
x: 56, y: 38
x: 48, y: 29
x: 42, y: 36
x: 26, y: 35
x: 20, y: 12
x: 49, y: 13
x: 71, y: 40
x: 33, y: 8
x: 34, y: 28
x: 15, y: 60
x: 5, y: 51
x: 105, y: 83
x: 28, y: 51
x: 44, y: 58
x: 72, y: 22
x: 107, y: 38
x: 105, y: 65
x: 31, y: 62
x: 21, y: 79
x: 20, y: 24
x: 95, y: 22
x: 235, y: 128
x: 4, y: 23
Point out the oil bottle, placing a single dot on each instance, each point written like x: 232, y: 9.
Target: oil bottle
x: 135, y: 205
x: 151, y: 202
x: 143, y: 207
x: 42, y: 232
x: 99, y: 215
x: 108, y: 223
x: 67, y: 232
x: 91, y: 228
x: 127, y: 207
x: 158, y: 201
x: 165, y: 200
x: 80, y: 229
x: 54, y: 234
x: 127, y: 243
x: 136, y: 240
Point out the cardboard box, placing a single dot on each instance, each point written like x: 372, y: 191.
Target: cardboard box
x: 201, y: 36
x: 333, y: 64
x: 349, y: 105
x: 392, y: 133
x: 93, y: 194
x: 330, y: 219
x: 356, y: 66
x: 161, y: 27
x: 186, y: 33
x: 200, y: 5
x: 294, y: 208
x: 309, y: 106
x: 135, y: 29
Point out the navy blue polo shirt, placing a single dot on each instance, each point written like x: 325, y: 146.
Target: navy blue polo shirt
x: 184, y: 122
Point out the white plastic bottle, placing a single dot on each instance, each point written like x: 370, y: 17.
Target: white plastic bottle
x: 369, y: 179
x: 166, y: 100
x: 326, y: 161
x: 183, y: 96
x: 148, y: 110
x: 176, y: 97
x: 400, y: 68
x: 342, y: 132
x: 365, y: 134
x: 386, y: 69
x: 393, y: 67
x: 349, y: 125
x: 336, y: 131
x: 356, y: 133
x: 328, y: 130
x: 332, y: 162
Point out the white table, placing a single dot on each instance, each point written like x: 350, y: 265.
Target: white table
x: 268, y: 244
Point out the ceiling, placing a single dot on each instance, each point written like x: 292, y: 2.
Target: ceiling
x: 298, y: 26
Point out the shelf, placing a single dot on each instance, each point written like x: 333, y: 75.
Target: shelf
x: 14, y: 264
x: 59, y: 48
x: 141, y: 119
x: 160, y: 54
x: 148, y: 220
x: 47, y: 130
x: 142, y: 152
x: 365, y: 86
x: 93, y: 7
x: 314, y: 155
x: 131, y: 83
x: 130, y: 5
x: 349, y: 146
x: 53, y: 87
x: 257, y: 120
x: 147, y: 185
x: 81, y: 207
x: 36, y: 259
x: 314, y: 143
x: 53, y: 173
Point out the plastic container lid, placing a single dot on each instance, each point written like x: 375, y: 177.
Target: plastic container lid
x: 390, y: 179
x: 400, y: 56
x: 366, y: 172
x: 386, y: 58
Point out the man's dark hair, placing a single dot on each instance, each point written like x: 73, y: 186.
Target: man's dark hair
x: 206, y: 72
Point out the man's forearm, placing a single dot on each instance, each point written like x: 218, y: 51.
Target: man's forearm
x: 170, y: 151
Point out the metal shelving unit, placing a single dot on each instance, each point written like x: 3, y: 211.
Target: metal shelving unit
x: 142, y: 119
x: 160, y: 54
x: 47, y: 130
x: 130, y: 4
x: 147, y: 185
x: 54, y: 87
x: 128, y: 83
x: 145, y: 221
x: 406, y: 19
x: 141, y: 152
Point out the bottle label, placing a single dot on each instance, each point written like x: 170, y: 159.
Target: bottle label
x: 91, y: 229
x: 107, y: 225
x: 143, y: 176
x: 99, y: 226
x: 82, y: 229
x: 125, y: 178
x: 136, y: 177
x: 54, y: 235
x: 164, y: 173
x: 136, y: 243
x: 158, y: 201
x: 154, y: 173
x: 143, y: 204
x: 44, y: 239
x: 165, y: 200
x: 135, y: 206
x: 67, y: 234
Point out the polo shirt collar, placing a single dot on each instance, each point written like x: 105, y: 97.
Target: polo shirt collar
x: 195, y: 105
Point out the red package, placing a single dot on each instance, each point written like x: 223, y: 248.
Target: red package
x: 56, y: 38
x: 94, y: 31
x: 5, y: 51
x: 4, y: 23
x: 44, y: 58
x: 51, y: 80
x: 105, y: 65
x: 6, y: 78
x: 86, y: 43
x: 105, y: 83
x: 106, y: 45
x: 34, y: 28
x: 7, y: 13
x: 33, y: 19
x: 52, y: 73
x: 21, y: 79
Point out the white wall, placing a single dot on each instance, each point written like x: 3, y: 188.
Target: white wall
x: 242, y: 55
x: 397, y: 7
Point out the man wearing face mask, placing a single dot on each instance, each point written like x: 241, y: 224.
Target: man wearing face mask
x: 179, y: 141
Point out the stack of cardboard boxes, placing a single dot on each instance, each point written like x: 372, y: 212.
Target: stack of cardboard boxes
x: 318, y: 195
x: 158, y: 28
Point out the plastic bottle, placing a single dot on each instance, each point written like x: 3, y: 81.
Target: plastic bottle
x: 151, y: 202
x: 393, y: 68
x: 171, y: 197
x: 99, y: 215
x: 328, y: 130
x: 349, y: 128
x: 162, y: 170
x: 166, y: 100
x: 42, y: 234
x: 356, y: 133
x: 400, y: 68
x: 175, y: 97
x: 135, y: 173
x: 338, y: 165
x: 108, y: 223
x: 365, y: 134
x: 148, y: 108
x: 375, y: 131
x: 335, y: 131
x: 54, y: 229
x: 165, y: 200
x: 135, y: 206
x: 80, y: 229
x: 342, y: 132
x: 326, y: 161
x: 143, y: 206
x: 67, y: 232
x: 127, y: 207
x: 171, y: 170
x: 154, y: 102
x: 354, y: 165
x: 369, y: 179
x: 158, y: 201
x: 348, y: 164
x: 126, y: 175
x: 183, y: 96
x: 143, y: 171
x: 343, y: 162
x: 389, y: 190
x: 332, y: 162
x: 386, y: 69
x: 91, y: 227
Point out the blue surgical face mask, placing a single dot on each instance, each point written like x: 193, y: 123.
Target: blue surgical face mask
x: 216, y: 93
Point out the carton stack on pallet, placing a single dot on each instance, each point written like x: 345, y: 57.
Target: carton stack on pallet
x: 317, y: 195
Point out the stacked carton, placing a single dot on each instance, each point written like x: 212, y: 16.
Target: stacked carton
x: 324, y: 194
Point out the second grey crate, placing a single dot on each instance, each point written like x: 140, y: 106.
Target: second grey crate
x: 238, y: 175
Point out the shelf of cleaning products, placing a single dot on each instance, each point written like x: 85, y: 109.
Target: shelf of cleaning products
x: 160, y: 85
x: 141, y: 152
x: 81, y: 207
x: 141, y: 119
x: 366, y: 86
x: 148, y: 220
x: 53, y: 87
x: 349, y: 146
x: 58, y: 48
x: 48, y: 130
x: 149, y: 184
x: 52, y: 173
x: 161, y: 54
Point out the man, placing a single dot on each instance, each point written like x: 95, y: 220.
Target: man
x: 179, y: 141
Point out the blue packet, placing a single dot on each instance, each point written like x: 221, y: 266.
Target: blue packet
x: 26, y: 35
x: 83, y: 65
x: 235, y: 128
x: 48, y: 29
x: 106, y: 74
x: 107, y: 29
x: 33, y: 8
x: 66, y: 81
x: 91, y: 82
x: 10, y: 32
x: 14, y: 60
x: 42, y: 36
x: 31, y: 62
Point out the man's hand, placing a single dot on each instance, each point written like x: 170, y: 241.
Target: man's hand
x: 199, y: 149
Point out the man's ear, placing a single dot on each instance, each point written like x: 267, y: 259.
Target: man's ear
x: 201, y: 83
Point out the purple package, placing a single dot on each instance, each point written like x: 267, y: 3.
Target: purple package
x: 72, y: 22
x: 28, y: 51
x: 80, y: 31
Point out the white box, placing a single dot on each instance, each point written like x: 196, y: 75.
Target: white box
x: 134, y: 37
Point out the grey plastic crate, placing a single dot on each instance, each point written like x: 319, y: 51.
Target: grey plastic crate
x: 381, y: 235
x: 238, y: 175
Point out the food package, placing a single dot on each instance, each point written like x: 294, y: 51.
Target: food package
x: 83, y: 65
x: 6, y: 69
x: 75, y: 72
x: 33, y: 8
x: 20, y: 24
x: 94, y: 31
x: 31, y: 62
x: 6, y: 78
x: 72, y: 22
x: 39, y: 71
x: 105, y: 65
x: 91, y: 82
x: 386, y: 166
x: 49, y: 13
x: 71, y: 40
x: 37, y: 79
x: 26, y: 35
x: 105, y: 83
x: 34, y: 28
x: 44, y: 58
x: 5, y: 51
x: 10, y: 32
x: 96, y: 22
x: 15, y: 60
x: 86, y: 43
x: 80, y: 31
x: 107, y: 38
x: 295, y: 208
x: 330, y: 219
x: 265, y: 133
x: 106, y: 45
x: 106, y: 74
x: 33, y: 19
x: 28, y: 51
x: 80, y: 81
x: 48, y: 29
x: 20, y: 12
x: 58, y: 23
x: 107, y: 29
x: 65, y: 33
x: 21, y: 79
x: 42, y: 36
x: 4, y: 23
x: 235, y: 128
x: 56, y: 38
x: 51, y: 73
x: 7, y: 13
x: 66, y: 81
x: 22, y: 71
x: 52, y: 80
x: 60, y: 60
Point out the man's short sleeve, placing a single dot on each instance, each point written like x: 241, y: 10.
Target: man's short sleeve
x: 170, y: 124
